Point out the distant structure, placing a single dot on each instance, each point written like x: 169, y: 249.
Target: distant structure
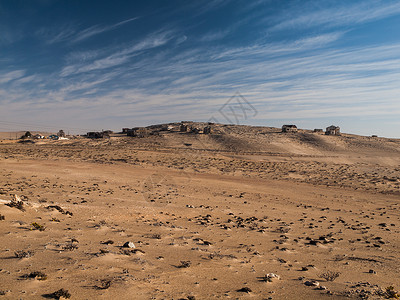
x: 289, y: 128
x: 207, y: 130
x: 61, y: 133
x: 194, y: 129
x: 125, y: 130
x: 318, y: 130
x: 98, y: 135
x: 183, y: 128
x: 138, y: 132
x: 332, y: 130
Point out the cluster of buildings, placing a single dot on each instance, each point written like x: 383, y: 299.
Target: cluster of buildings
x: 331, y: 130
x: 184, y: 126
x: 188, y: 127
x: 59, y: 136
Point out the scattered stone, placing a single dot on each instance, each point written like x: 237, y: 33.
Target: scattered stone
x: 129, y: 245
x: 372, y: 271
x: 311, y: 283
x: 270, y: 277
x: 244, y: 290
x: 109, y: 242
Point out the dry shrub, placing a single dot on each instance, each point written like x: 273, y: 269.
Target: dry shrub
x: 329, y: 275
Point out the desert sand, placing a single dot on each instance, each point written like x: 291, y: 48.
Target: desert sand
x: 243, y: 213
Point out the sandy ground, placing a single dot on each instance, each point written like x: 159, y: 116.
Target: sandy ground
x: 205, y: 224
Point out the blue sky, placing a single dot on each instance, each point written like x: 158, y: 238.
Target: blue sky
x: 87, y: 65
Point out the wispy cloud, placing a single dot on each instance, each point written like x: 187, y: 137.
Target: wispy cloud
x: 215, y: 35
x: 312, y: 74
x: 53, y: 35
x: 119, y: 57
x: 96, y: 29
x: 9, y: 76
x: 362, y: 12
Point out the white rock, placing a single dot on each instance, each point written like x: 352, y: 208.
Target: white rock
x: 129, y: 245
x: 271, y: 276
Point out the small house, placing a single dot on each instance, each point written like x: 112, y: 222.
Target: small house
x: 138, y: 132
x: 183, y: 128
x: 97, y: 135
x: 207, y: 130
x: 289, y: 128
x: 332, y: 130
x: 194, y: 129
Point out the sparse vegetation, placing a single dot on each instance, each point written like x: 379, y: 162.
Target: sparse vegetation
x: 329, y: 275
x: 185, y: 264
x: 104, y: 284
x: 17, y: 203
x: 70, y: 246
x: 23, y: 254
x: 37, y: 226
x: 60, y: 209
x: 58, y: 294
x: 156, y: 236
x: 35, y: 275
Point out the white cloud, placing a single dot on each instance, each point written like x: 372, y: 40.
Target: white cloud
x: 120, y: 57
x: 303, y: 16
x: 97, y: 29
x: 215, y: 35
x: 7, y: 77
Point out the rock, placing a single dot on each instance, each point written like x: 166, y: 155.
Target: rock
x: 372, y: 271
x: 129, y: 245
x: 244, y: 290
x: 311, y: 283
x: 271, y: 277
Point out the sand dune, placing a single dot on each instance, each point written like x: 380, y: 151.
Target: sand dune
x: 208, y: 216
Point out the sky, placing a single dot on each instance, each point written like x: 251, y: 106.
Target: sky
x: 93, y: 65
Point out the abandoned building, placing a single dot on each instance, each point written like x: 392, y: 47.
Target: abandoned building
x: 194, y: 129
x: 138, y: 132
x: 97, y: 135
x: 207, y: 130
x: 183, y: 128
x: 289, y: 128
x: 61, y: 133
x: 125, y: 130
x: 332, y: 130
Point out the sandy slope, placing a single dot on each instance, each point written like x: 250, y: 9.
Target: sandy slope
x: 205, y: 223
